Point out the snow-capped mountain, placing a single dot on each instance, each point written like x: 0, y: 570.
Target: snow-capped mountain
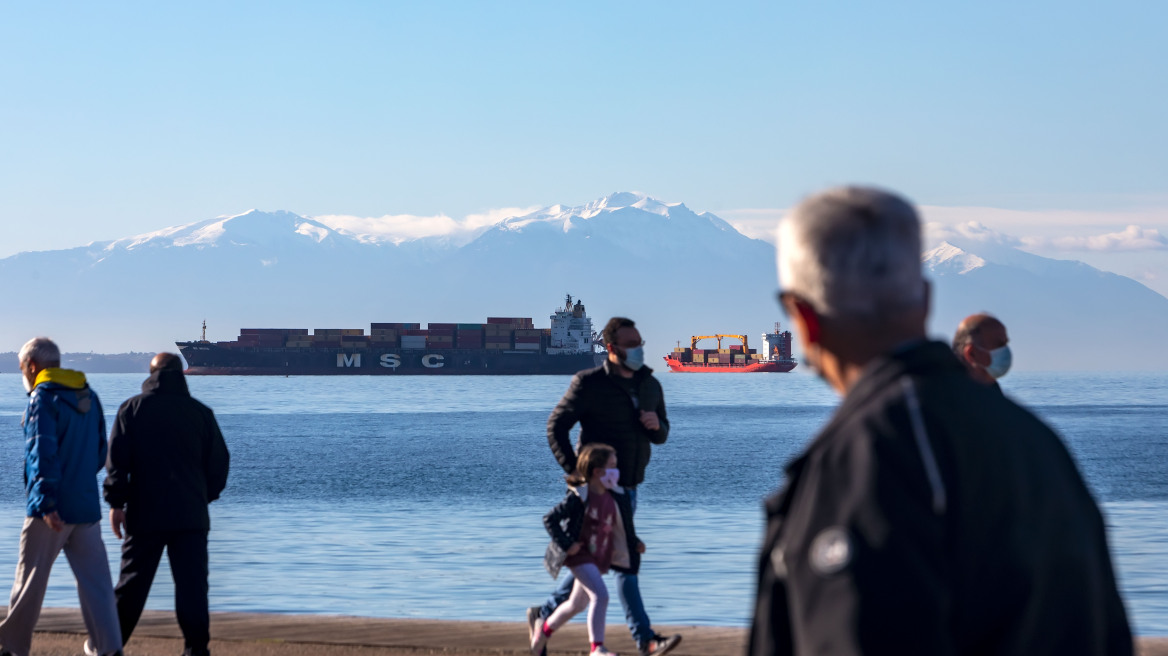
x: 675, y: 271
x: 626, y: 254
x: 948, y: 259
x: 640, y: 226
x: 252, y: 228
x: 1060, y: 314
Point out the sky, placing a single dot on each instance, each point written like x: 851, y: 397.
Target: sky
x: 1042, y: 121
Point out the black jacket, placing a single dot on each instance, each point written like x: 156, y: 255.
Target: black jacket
x: 167, y: 458
x: 932, y: 515
x: 564, y: 522
x: 608, y: 413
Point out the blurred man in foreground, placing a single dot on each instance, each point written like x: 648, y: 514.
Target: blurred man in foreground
x: 931, y: 515
x: 167, y: 461
x: 982, y: 345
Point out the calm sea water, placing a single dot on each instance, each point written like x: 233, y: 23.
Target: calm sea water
x: 422, y: 497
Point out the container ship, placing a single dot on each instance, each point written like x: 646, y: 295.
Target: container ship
x: 738, y: 358
x: 501, y: 346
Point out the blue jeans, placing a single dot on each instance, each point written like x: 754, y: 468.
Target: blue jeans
x: 628, y: 589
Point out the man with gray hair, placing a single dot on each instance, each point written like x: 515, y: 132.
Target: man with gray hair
x: 931, y: 515
x: 65, y: 447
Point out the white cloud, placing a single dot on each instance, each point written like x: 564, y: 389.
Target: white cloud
x: 396, y: 228
x: 1128, y: 242
x: 1028, y: 229
x: 1133, y: 238
x: 756, y: 223
x: 937, y: 232
x: 1031, y: 220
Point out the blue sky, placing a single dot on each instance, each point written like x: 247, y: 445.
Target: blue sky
x: 124, y: 118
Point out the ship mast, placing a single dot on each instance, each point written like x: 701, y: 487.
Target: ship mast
x: 204, y: 338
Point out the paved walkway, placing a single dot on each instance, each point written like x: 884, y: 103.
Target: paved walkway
x: 60, y: 633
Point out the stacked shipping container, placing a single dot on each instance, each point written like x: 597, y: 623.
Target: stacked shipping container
x: 733, y: 355
x: 499, y: 333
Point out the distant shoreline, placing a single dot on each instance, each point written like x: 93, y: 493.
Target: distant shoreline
x: 90, y: 363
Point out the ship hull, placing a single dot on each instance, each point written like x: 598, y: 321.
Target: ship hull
x: 212, y: 360
x: 751, y: 368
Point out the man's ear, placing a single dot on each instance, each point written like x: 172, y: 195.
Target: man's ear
x: 806, y: 318
x: 971, y: 355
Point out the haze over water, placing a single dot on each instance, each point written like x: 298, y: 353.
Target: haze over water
x: 423, y: 497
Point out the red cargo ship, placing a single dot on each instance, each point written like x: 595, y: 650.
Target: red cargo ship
x: 738, y: 359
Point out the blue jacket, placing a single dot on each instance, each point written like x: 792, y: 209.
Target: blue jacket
x: 64, y: 447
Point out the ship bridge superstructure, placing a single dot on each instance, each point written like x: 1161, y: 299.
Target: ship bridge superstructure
x: 776, y: 345
x: 571, y: 329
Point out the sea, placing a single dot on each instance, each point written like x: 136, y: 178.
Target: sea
x: 423, y: 496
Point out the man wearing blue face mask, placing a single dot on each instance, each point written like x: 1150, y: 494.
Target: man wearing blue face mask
x: 982, y: 346
x: 619, y: 403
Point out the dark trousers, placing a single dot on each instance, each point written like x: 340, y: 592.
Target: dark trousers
x: 187, y: 551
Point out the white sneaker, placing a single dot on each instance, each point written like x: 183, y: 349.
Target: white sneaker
x: 602, y: 651
x: 90, y: 651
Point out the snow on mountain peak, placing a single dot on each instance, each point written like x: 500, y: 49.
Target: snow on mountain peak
x: 571, y: 218
x: 315, y: 231
x: 947, y: 258
x: 622, y: 199
x: 251, y: 228
x: 624, y: 217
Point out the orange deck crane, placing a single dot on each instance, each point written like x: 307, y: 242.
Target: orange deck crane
x: 698, y: 338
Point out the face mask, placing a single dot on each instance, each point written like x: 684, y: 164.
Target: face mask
x: 610, y: 478
x: 634, y: 358
x: 1000, y: 360
x: 27, y: 385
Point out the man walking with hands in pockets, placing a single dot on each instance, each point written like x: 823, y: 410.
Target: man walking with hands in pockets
x: 167, y: 461
x: 619, y: 403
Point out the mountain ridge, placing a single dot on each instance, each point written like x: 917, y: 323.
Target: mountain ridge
x: 676, y: 271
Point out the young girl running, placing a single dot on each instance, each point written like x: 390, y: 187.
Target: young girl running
x: 593, y: 528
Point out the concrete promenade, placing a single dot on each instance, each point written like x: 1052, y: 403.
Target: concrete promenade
x: 61, y: 632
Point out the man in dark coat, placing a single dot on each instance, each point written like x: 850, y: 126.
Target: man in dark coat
x: 167, y: 461
x: 932, y: 515
x: 621, y: 404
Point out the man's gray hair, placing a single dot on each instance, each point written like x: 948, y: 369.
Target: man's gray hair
x: 853, y: 252
x: 42, y: 351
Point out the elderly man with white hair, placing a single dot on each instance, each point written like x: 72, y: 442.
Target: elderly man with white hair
x: 64, y: 448
x: 931, y: 515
